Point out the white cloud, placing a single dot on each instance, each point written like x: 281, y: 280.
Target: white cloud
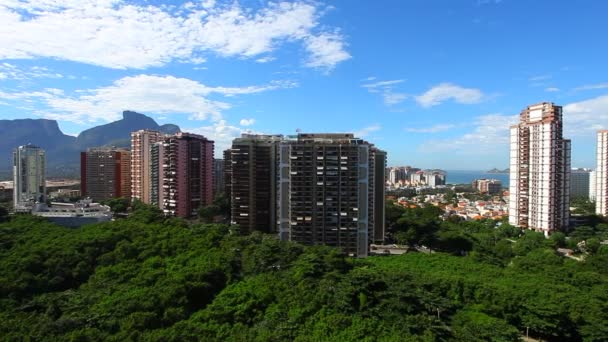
x: 12, y: 72
x: 489, y: 136
x: 585, y: 117
x: 432, y: 129
x: 144, y: 93
x: 552, y: 89
x: 448, y: 91
x: 247, y: 122
x: 121, y: 35
x: 491, y: 132
x: 592, y: 87
x: 222, y: 133
x: 266, y: 59
x: 364, y: 132
x: 326, y: 50
x: 382, y: 84
x: 385, y: 88
x: 391, y: 98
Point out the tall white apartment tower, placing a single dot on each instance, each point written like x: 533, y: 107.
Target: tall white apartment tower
x: 141, y: 167
x: 28, y: 177
x: 540, y: 170
x: 601, y: 174
x: 592, y: 179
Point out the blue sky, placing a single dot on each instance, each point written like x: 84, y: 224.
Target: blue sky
x: 435, y: 83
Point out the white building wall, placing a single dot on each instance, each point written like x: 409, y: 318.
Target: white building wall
x: 544, y: 204
x: 514, y: 175
x: 601, y: 173
x: 592, y: 186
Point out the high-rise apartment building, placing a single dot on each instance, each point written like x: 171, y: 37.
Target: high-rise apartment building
x: 379, y: 193
x: 601, y: 174
x: 592, y: 181
x: 141, y: 163
x: 105, y: 173
x: 487, y: 186
x: 579, y: 182
x: 431, y: 178
x: 398, y: 175
x: 539, y: 170
x: 327, y: 191
x: 156, y: 173
x: 29, y: 177
x: 228, y: 176
x: 253, y: 181
x: 435, y: 177
x: 218, y: 177
x: 187, y: 174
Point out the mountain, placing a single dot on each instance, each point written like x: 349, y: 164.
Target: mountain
x: 63, y: 157
x: 40, y: 132
x: 118, y: 133
x: 495, y: 170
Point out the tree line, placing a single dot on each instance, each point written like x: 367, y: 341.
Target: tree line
x: 153, y: 278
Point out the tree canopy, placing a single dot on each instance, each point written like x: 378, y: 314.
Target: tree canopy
x: 152, y: 278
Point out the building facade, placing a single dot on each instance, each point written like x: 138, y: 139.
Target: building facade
x: 579, y: 182
x: 380, y: 159
x: 187, y: 174
x: 539, y: 170
x: 29, y: 177
x: 601, y: 174
x: 327, y: 191
x: 156, y: 173
x: 218, y: 177
x: 141, y: 163
x: 592, y: 182
x: 487, y: 186
x: 105, y: 173
x: 253, y: 182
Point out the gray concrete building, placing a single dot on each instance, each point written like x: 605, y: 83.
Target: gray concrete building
x: 329, y: 191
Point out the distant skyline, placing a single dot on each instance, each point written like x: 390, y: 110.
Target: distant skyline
x: 435, y: 83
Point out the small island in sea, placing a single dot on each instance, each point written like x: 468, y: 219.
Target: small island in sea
x: 495, y: 170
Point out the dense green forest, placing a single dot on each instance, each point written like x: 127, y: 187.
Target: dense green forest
x: 154, y: 279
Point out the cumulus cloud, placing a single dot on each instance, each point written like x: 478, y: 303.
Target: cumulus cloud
x: 247, y: 122
x: 490, y: 135
x: 326, y: 50
x: 221, y: 132
x: 145, y: 93
x: 491, y: 132
x: 448, y: 91
x: 120, y: 34
x: 585, y: 117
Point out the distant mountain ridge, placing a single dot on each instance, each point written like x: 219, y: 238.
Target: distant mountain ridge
x: 62, y: 150
x: 495, y: 170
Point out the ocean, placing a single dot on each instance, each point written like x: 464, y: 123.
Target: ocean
x: 466, y: 177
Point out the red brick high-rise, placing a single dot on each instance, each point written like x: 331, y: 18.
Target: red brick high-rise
x: 187, y: 174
